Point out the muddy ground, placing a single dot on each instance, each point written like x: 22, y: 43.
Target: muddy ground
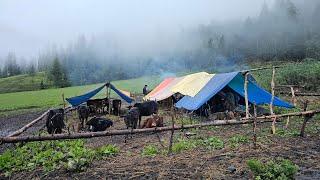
x: 197, y: 163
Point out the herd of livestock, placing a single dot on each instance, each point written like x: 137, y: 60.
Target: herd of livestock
x: 55, y: 121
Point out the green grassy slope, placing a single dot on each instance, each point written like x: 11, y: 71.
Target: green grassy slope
x: 11, y: 102
x: 22, y: 83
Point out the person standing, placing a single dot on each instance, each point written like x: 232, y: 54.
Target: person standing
x: 145, y: 90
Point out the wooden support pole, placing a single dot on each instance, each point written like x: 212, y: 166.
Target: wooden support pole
x: 272, y: 90
x: 273, y: 127
x: 287, y: 123
x: 24, y: 128
x: 246, y: 94
x: 262, y: 119
x: 255, y: 126
x: 294, y: 100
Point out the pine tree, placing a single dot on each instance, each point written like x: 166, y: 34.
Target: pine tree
x: 55, y: 74
x: 31, y: 69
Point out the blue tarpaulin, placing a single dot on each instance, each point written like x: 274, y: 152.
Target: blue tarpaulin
x: 77, y: 100
x: 234, y: 80
x: 122, y: 95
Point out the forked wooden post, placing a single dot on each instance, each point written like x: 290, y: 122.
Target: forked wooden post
x: 294, y: 100
x: 273, y: 127
x: 255, y: 126
x: 246, y: 94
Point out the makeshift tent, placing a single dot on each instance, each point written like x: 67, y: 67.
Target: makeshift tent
x: 235, y: 81
x: 77, y: 100
x: 191, y: 84
x: 163, y: 90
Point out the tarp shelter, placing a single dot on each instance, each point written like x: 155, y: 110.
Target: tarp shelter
x: 163, y: 90
x: 191, y: 84
x: 77, y: 100
x: 235, y: 80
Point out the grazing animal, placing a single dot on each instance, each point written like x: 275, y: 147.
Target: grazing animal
x: 147, y: 108
x: 98, y: 105
x: 155, y: 121
x: 55, y: 121
x: 226, y: 115
x: 99, y: 124
x: 131, y: 118
x: 116, y: 106
x: 83, y: 113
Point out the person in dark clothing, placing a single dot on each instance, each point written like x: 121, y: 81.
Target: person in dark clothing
x: 145, y: 90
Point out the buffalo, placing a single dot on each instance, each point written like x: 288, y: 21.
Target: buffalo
x: 131, y: 118
x: 116, y: 106
x: 98, y: 105
x: 147, y: 108
x: 155, y: 121
x: 99, y: 124
x: 83, y: 113
x: 55, y: 121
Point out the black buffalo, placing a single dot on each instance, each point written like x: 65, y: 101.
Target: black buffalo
x: 83, y: 113
x: 99, y: 124
x: 131, y: 118
x: 147, y: 109
x: 54, y: 121
x: 116, y: 106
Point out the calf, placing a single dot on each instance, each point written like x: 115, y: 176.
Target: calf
x: 146, y: 108
x: 116, y: 106
x: 155, y: 121
x: 54, y: 121
x: 83, y: 113
x: 99, y: 124
x: 131, y: 118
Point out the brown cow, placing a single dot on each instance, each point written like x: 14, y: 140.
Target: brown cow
x: 155, y: 121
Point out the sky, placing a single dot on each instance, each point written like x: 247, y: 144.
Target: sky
x: 27, y: 26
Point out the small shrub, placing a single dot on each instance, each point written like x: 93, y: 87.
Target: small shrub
x: 236, y: 140
x: 183, y: 144
x: 213, y: 143
x: 287, y: 133
x: 150, y: 151
x: 108, y: 150
x: 279, y: 169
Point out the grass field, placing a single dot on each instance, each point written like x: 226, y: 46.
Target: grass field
x: 23, y: 83
x: 23, y: 101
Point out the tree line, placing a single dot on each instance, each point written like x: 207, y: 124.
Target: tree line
x: 286, y: 31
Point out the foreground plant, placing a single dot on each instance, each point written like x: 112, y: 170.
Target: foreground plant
x: 72, y: 155
x: 150, y: 151
x: 277, y: 169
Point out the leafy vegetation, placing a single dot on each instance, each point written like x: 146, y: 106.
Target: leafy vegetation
x: 50, y: 155
x: 278, y: 169
x: 150, y: 151
x: 183, y: 144
x: 236, y: 140
x: 213, y: 143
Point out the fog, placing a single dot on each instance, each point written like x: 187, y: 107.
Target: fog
x: 29, y: 26
x: 99, y: 41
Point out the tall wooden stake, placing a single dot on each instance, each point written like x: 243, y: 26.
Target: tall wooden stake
x: 255, y: 126
x: 306, y: 118
x: 273, y: 127
x: 171, y: 136
x: 246, y: 94
x: 64, y: 106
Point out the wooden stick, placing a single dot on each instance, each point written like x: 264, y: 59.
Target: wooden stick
x: 255, y: 126
x: 300, y: 94
x: 258, y: 69
x: 287, y: 123
x: 263, y: 119
x: 273, y: 126
x: 307, y: 117
x: 294, y: 100
x: 171, y: 135
x: 246, y: 94
x: 24, y: 128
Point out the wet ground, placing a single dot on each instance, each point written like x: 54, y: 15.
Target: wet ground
x: 197, y: 163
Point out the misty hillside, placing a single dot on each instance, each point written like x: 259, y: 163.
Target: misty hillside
x: 285, y: 30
